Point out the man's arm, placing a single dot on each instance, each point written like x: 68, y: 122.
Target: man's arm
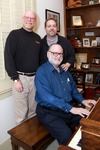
x: 9, y: 52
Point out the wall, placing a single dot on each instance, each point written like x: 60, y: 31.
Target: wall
x: 54, y: 5
x: 7, y: 119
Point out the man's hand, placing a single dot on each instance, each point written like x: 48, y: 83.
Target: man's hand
x: 80, y: 111
x: 88, y: 103
x: 66, y: 66
x: 18, y: 86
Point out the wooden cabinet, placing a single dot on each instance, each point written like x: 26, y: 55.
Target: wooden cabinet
x: 82, y: 29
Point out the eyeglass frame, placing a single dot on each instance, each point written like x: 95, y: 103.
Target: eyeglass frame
x: 56, y: 53
x: 32, y: 19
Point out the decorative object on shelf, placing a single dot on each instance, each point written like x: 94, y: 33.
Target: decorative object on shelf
x: 96, y: 60
x: 94, y: 43
x: 89, y: 78
x: 74, y: 3
x: 90, y: 24
x: 55, y: 15
x: 86, y: 42
x: 89, y: 33
x: 79, y: 79
x: 98, y: 40
x: 97, y: 81
x: 76, y: 43
x: 77, y: 21
x: 98, y: 23
x: 91, y: 2
x: 85, y: 66
x: 95, y: 67
x: 95, y: 1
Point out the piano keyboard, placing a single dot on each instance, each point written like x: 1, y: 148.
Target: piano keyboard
x: 74, y: 142
x: 77, y: 137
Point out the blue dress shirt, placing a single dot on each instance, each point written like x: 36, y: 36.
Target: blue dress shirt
x: 55, y: 90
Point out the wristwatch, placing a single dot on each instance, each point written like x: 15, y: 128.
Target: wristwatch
x: 15, y: 81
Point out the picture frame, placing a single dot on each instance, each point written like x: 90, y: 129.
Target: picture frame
x: 85, y: 65
x: 77, y: 21
x: 89, y: 78
x: 94, y: 43
x: 86, y: 42
x: 98, y: 40
x: 79, y: 79
x: 96, y: 60
x: 55, y: 15
x: 80, y: 58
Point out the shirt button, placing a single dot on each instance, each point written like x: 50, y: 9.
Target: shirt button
x: 64, y: 89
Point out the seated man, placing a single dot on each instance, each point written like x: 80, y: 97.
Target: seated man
x: 55, y: 91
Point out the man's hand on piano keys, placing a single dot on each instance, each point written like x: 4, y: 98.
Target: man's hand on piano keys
x: 80, y: 111
x: 89, y: 103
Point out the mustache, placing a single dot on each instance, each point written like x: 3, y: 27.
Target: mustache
x: 52, y: 30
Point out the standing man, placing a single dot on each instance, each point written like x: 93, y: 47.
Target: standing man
x: 55, y: 90
x: 51, y: 38
x: 22, y: 52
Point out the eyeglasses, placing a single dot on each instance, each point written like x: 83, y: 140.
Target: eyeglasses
x: 29, y: 18
x: 56, y: 54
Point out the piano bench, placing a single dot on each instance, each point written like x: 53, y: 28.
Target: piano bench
x: 30, y: 135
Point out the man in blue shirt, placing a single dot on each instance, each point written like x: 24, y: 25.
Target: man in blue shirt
x: 55, y: 90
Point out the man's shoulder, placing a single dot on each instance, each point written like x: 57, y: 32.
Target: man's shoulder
x: 44, y: 38
x: 42, y: 67
x: 37, y: 35
x: 15, y: 31
x: 60, y: 37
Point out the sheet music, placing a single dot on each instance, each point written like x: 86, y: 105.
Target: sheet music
x: 73, y: 143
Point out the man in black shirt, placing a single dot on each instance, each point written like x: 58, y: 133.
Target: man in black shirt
x: 53, y: 37
x: 22, y: 52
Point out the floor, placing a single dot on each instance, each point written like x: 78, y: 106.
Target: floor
x: 7, y: 146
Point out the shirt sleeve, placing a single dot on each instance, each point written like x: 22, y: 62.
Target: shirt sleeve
x: 9, y: 53
x: 75, y: 93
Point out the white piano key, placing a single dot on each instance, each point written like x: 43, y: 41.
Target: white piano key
x: 73, y: 143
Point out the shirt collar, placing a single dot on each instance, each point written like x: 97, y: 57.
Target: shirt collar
x: 51, y: 67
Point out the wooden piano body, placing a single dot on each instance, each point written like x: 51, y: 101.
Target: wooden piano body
x: 90, y: 131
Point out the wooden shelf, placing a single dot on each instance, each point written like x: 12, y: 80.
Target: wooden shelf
x: 85, y: 70
x: 87, y: 47
x: 82, y: 28
x: 90, y: 16
x: 84, y: 6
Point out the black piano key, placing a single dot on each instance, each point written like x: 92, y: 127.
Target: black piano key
x: 79, y: 143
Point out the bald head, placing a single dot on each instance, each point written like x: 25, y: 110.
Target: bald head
x: 29, y: 20
x: 30, y: 13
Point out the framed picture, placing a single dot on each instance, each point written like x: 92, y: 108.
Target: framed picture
x: 80, y: 57
x: 96, y: 60
x: 55, y: 15
x: 77, y: 21
x: 85, y: 66
x: 98, y: 40
x: 94, y: 43
x: 86, y: 42
x: 89, y: 78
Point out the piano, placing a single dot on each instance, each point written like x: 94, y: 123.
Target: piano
x: 88, y: 132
